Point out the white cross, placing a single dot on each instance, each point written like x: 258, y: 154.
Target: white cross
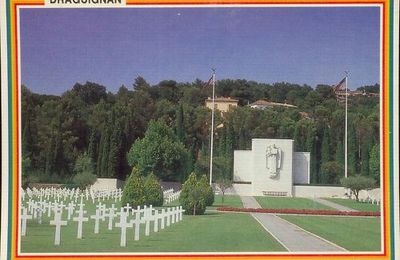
x: 180, y: 213
x: 162, y: 218
x: 80, y: 219
x: 123, y: 224
x: 137, y: 222
x: 58, y: 223
x: 168, y: 216
x: 127, y: 208
x: 146, y: 219
x: 24, y: 218
x: 97, y: 219
x: 173, y: 215
x: 111, y: 214
x: 71, y: 207
x: 155, y: 218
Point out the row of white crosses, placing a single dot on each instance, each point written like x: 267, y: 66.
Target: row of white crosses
x: 145, y: 216
x: 170, y: 195
x: 63, y: 194
x: 370, y: 200
x: 128, y: 217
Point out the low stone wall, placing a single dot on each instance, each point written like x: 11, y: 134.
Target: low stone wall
x: 242, y: 189
x: 107, y: 184
x: 308, y: 191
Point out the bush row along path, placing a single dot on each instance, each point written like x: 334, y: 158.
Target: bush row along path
x: 292, y: 237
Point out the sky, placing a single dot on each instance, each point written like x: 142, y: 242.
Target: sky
x: 307, y: 45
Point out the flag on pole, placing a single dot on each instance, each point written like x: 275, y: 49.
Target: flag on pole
x: 209, y: 83
x: 341, y: 86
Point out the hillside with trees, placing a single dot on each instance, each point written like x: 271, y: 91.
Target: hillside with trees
x: 111, y: 130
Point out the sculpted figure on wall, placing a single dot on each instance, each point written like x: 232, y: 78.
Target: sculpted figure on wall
x: 273, y: 156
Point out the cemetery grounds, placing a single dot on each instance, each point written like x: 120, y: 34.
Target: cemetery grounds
x: 215, y: 231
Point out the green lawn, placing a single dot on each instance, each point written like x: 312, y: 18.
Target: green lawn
x: 213, y: 232
x: 352, y: 233
x: 233, y: 201
x: 289, y: 203
x: 360, y: 206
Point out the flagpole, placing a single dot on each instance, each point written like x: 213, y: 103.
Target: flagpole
x: 345, y: 131
x: 212, y: 126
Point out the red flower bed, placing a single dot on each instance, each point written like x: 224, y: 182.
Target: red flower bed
x: 303, y: 211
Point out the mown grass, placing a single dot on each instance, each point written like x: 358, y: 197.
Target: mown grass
x: 213, y: 232
x: 352, y: 233
x: 233, y: 201
x: 360, y: 206
x: 290, y: 203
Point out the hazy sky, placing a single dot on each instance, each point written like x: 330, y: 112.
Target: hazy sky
x: 313, y: 45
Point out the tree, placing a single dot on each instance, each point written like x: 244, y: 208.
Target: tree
x: 375, y: 163
x: 357, y: 183
x: 207, y: 189
x: 134, y: 190
x: 84, y: 170
x: 331, y: 171
x: 352, y: 149
x: 224, y: 184
x: 153, y: 191
x: 192, y: 196
x: 160, y: 152
x: 179, y: 130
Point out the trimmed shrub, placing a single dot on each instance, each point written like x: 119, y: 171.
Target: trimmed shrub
x: 192, y: 197
x: 134, y: 190
x: 153, y: 191
x: 208, y: 191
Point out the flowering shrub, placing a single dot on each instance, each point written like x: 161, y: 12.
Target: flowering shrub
x: 302, y: 211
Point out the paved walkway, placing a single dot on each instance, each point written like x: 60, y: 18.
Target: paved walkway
x: 292, y: 237
x: 333, y: 205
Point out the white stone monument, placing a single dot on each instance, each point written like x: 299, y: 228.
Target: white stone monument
x: 270, y: 168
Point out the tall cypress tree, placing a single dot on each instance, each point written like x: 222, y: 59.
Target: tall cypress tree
x: 352, y: 150
x: 222, y: 142
x: 105, y: 153
x: 365, y: 152
x: 114, y: 153
x: 311, y: 146
x: 325, y: 147
x: 242, y: 139
x: 339, y: 155
x: 325, y: 152
x: 179, y: 129
x: 92, y: 147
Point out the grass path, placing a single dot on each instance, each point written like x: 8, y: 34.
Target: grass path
x: 352, y: 233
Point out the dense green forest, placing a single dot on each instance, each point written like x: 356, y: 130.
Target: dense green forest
x: 112, y: 129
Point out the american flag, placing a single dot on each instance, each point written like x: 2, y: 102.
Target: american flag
x: 340, y: 86
x: 209, y: 82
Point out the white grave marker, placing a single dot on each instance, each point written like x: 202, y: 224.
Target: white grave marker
x: 24, y: 218
x: 58, y: 223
